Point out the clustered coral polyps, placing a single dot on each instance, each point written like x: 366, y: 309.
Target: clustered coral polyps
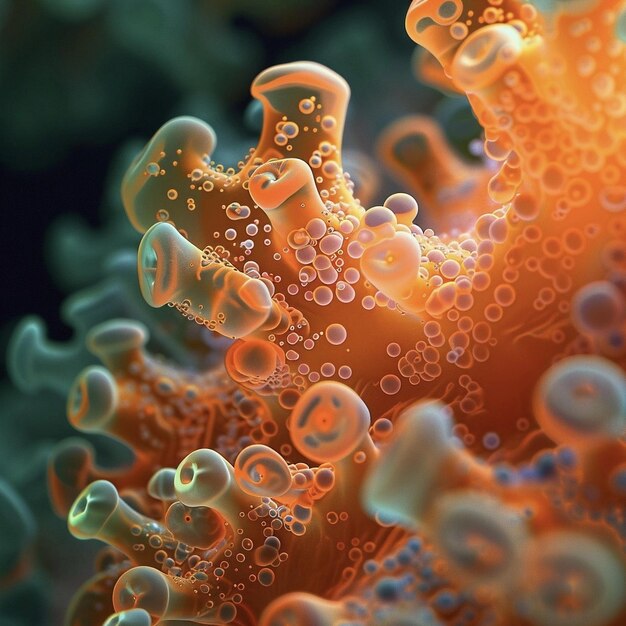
x: 410, y: 427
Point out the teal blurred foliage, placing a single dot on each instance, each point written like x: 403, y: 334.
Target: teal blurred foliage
x: 83, y: 70
x: 86, y: 77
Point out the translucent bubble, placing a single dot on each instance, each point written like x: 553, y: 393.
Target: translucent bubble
x: 393, y: 349
x: 236, y: 211
x: 491, y: 441
x: 598, y: 307
x: 316, y: 228
x: 253, y: 359
x: 266, y: 576
x: 306, y: 106
x: 336, y: 334
x: 331, y: 243
x: 378, y: 215
x: 323, y: 295
x: 153, y: 169
x: 403, y: 206
x: 450, y: 268
x: 390, y: 384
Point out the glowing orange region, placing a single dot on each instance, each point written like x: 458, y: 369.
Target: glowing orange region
x: 409, y: 427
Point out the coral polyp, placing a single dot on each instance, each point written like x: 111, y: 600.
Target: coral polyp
x: 406, y: 424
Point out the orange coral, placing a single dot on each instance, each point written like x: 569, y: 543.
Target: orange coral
x: 306, y: 484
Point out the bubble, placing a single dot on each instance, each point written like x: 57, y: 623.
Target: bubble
x: 377, y: 216
x: 254, y: 360
x: 305, y: 255
x: 598, y: 307
x: 327, y: 369
x: 316, y: 228
x: 390, y: 384
x: 306, y: 106
x: 328, y: 122
x: 344, y: 372
x: 266, y: 577
x: 291, y: 129
x: 331, y: 243
x: 153, y: 169
x: 323, y: 295
x: 526, y: 207
x: 393, y: 349
x: 613, y: 198
x: 336, y: 334
x: 458, y: 30
x: 382, y: 427
x: 491, y: 441
x: 236, y: 211
x: 403, y: 206
x: 280, y: 139
x: 504, y: 295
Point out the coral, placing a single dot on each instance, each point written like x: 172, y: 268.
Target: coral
x: 408, y: 425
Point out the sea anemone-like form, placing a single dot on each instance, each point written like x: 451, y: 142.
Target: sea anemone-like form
x: 409, y: 426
